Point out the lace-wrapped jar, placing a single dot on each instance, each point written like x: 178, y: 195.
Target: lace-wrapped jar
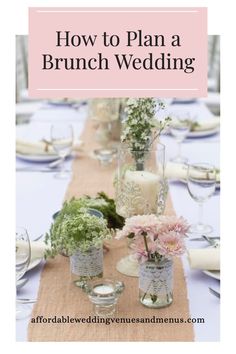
x: 156, y: 283
x: 86, y: 265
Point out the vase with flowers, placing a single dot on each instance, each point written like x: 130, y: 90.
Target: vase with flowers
x: 140, y: 186
x: 154, y: 243
x: 80, y: 234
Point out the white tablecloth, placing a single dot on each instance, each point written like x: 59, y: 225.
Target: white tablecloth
x: 39, y: 195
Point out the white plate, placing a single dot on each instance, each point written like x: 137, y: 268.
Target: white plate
x: 184, y: 100
x: 37, y: 158
x: 34, y: 263
x: 212, y: 273
x: 61, y: 103
x: 203, y: 133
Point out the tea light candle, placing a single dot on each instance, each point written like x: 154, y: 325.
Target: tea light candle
x: 103, y: 289
x: 148, y: 184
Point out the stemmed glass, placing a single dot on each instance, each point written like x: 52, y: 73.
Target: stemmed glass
x: 23, y: 255
x: 62, y: 141
x: 179, y: 128
x: 201, y: 186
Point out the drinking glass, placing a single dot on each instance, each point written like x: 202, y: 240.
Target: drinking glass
x: 201, y: 186
x: 179, y: 128
x: 23, y: 255
x: 62, y: 141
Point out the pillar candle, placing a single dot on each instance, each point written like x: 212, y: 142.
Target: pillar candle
x: 147, y: 184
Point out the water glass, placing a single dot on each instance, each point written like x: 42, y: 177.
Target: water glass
x: 201, y: 186
x: 179, y: 128
x: 62, y: 142
x: 23, y: 256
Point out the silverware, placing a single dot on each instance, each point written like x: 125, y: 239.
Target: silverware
x: 214, y: 292
x: 202, y: 239
x: 213, y: 243
x: 55, y: 163
x: 38, y: 238
x: 26, y: 301
x: 45, y: 169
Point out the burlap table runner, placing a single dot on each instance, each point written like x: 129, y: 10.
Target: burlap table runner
x: 58, y: 296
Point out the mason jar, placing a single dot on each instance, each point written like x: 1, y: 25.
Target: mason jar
x: 86, y: 265
x: 156, y: 283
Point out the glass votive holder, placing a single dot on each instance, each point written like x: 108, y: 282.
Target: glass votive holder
x: 104, y: 294
x: 105, y: 155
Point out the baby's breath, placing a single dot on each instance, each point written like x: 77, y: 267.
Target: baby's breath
x: 141, y: 126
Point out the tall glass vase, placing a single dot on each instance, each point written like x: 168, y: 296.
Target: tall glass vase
x: 141, y: 189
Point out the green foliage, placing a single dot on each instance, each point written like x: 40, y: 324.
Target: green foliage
x: 74, y: 228
x: 108, y: 208
x: 141, y: 126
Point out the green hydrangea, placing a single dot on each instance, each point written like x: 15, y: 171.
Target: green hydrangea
x: 74, y: 231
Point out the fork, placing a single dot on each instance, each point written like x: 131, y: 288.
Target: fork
x: 214, y: 292
x: 26, y: 301
x: 212, y: 242
x: 38, y: 238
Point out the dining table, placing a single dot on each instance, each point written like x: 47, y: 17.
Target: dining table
x: 39, y: 195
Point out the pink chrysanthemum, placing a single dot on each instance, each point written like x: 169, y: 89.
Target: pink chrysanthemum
x: 139, y: 249
x: 172, y: 223
x: 171, y: 244
x: 155, y: 236
x: 138, y: 225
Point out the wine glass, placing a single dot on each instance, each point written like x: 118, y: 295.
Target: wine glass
x: 201, y: 186
x: 23, y: 256
x: 62, y: 141
x: 179, y: 128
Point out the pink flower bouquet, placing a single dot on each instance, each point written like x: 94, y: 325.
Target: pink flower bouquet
x: 155, y: 237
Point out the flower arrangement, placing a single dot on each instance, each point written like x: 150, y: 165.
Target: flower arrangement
x: 141, y: 126
x: 76, y: 231
x: 141, y: 122
x: 101, y: 202
x: 154, y: 238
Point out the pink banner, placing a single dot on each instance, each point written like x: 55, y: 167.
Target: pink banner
x: 117, y: 52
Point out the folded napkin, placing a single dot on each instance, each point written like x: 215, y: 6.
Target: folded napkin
x: 27, y: 108
x: 175, y: 171
x: 40, y: 147
x: 38, y: 248
x: 34, y: 148
x: 179, y: 171
x: 207, y: 124
x: 204, y: 258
